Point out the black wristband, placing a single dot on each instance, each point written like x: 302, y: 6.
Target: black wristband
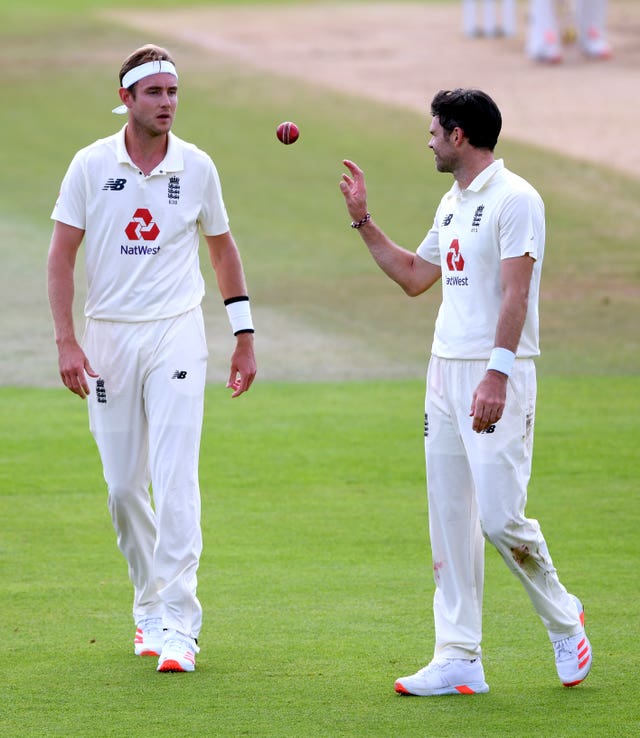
x: 239, y: 298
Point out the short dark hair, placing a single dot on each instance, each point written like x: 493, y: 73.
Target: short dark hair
x: 473, y: 111
x: 146, y: 53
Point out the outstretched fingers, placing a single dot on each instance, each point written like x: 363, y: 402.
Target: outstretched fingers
x: 353, y: 188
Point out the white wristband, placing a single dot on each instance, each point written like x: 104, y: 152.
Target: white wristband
x: 239, y: 312
x: 501, y: 360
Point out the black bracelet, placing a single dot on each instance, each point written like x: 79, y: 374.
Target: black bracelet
x: 360, y: 223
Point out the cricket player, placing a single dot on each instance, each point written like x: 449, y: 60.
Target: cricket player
x: 139, y: 200
x: 486, y: 247
x: 553, y: 21
x: 489, y: 17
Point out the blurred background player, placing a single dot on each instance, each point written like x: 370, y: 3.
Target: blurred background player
x: 554, y: 22
x: 480, y: 18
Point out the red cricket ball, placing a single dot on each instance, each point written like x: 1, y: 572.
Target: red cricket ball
x: 287, y: 132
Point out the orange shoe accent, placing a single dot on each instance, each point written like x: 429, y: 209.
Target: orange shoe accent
x: 400, y: 689
x: 463, y: 689
x: 150, y: 652
x: 170, y: 665
x: 583, y: 654
x: 572, y: 684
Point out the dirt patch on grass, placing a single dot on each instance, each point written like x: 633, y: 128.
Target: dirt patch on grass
x: 401, y: 53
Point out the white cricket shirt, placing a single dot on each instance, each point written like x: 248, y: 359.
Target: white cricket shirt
x: 142, y: 232
x: 499, y: 216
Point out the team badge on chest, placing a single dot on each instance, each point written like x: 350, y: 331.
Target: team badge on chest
x: 173, y: 192
x: 477, y: 217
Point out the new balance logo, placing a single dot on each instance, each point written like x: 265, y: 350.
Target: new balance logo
x: 447, y: 219
x: 179, y: 375
x: 490, y: 429
x: 115, y: 184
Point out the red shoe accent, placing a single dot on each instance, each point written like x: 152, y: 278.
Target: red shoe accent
x: 463, y: 689
x: 400, y: 689
x: 572, y: 684
x: 139, y: 638
x: 583, y: 654
x: 170, y: 665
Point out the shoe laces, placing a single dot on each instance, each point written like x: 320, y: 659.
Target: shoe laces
x: 566, y: 648
x: 178, y: 641
x: 438, y: 665
x: 151, y: 624
x: 432, y: 666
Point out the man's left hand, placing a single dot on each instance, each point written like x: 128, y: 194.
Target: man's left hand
x: 243, y: 365
x: 489, y: 400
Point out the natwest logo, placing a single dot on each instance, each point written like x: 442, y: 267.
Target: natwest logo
x: 142, y: 226
x: 455, y: 262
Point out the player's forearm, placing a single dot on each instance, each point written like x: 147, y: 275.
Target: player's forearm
x: 513, y: 313
x: 230, y: 275
x: 395, y: 262
x: 227, y: 264
x: 515, y: 278
x: 61, y: 260
x: 61, y: 292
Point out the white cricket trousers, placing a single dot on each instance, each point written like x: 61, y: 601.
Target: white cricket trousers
x: 145, y: 413
x: 544, y: 18
x: 477, y: 489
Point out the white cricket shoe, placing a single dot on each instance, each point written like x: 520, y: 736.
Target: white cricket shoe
x: 573, y: 654
x: 445, y: 676
x: 149, y: 637
x: 595, y: 45
x: 547, y: 49
x: 178, y: 652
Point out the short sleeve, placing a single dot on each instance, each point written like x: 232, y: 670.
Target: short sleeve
x: 521, y: 225
x: 429, y: 249
x: 71, y: 205
x: 213, y: 216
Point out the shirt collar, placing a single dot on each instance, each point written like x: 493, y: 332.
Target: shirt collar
x: 485, y: 175
x: 481, y: 180
x: 172, y: 162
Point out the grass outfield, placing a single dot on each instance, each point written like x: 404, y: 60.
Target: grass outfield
x: 316, y: 580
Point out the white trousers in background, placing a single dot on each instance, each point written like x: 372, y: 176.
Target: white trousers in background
x: 477, y: 489
x: 489, y: 17
x: 588, y: 18
x: 145, y: 412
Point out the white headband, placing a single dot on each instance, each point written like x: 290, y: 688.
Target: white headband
x: 144, y: 70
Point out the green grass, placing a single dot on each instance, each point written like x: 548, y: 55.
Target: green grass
x: 316, y: 578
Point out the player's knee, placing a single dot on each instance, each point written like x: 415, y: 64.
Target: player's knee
x: 496, y: 531
x: 123, y: 496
